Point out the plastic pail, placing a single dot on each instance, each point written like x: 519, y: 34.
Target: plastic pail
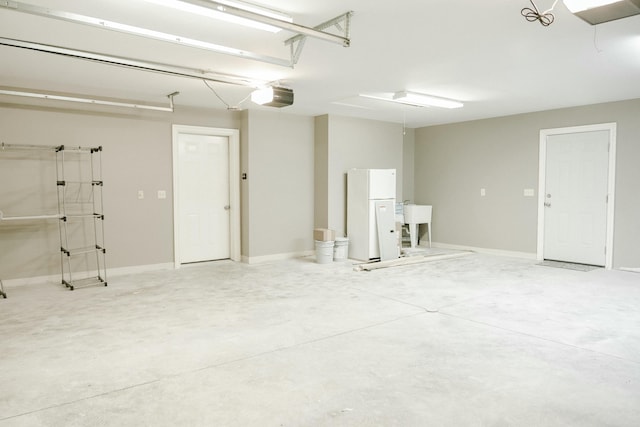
x: 341, y: 249
x: 324, y: 252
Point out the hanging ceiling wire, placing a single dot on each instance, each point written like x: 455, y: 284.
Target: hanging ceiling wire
x: 545, y: 18
x: 229, y: 107
x: 595, y: 39
x: 404, y: 121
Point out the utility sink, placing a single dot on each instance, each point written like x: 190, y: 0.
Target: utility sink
x: 417, y: 214
x: 414, y: 215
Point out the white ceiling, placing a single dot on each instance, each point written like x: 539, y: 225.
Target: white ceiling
x: 483, y: 53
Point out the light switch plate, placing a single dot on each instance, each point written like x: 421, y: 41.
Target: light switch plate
x: 483, y: 192
x: 162, y: 194
x: 140, y: 194
x: 529, y: 192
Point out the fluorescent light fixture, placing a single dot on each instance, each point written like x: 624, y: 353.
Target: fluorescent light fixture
x: 217, y: 11
x: 599, y: 11
x: 422, y: 100
x: 580, y: 5
x: 270, y: 17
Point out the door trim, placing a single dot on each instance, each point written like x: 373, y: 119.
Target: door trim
x: 544, y: 133
x: 234, y: 186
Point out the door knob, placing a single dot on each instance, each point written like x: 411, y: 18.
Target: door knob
x: 547, y: 204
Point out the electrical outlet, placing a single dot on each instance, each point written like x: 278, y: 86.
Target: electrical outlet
x: 140, y: 194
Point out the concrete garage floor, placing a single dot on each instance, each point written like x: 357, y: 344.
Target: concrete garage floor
x: 295, y: 343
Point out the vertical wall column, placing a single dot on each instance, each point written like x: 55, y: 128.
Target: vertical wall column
x: 343, y: 143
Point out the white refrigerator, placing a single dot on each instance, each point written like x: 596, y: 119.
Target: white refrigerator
x: 371, y: 197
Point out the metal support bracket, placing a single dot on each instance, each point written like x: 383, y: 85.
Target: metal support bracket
x: 170, y: 96
x: 342, y: 23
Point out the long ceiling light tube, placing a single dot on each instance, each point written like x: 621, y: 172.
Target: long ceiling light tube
x: 89, y: 100
x: 290, y: 26
x: 143, y: 32
x: 155, y: 67
x: 415, y: 99
x: 221, y: 15
x: 420, y: 99
x: 580, y: 5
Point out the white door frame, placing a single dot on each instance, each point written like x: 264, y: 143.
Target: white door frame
x: 544, y: 133
x: 234, y: 186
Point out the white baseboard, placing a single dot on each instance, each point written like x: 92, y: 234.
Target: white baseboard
x: 631, y: 269
x: 121, y: 271
x: 276, y: 257
x: 111, y: 272
x: 13, y: 283
x: 513, y: 254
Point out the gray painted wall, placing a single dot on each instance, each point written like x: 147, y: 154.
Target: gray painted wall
x: 408, y: 165
x: 452, y: 163
x: 321, y: 172
x: 245, y: 225
x: 277, y: 199
x: 280, y: 183
x: 296, y: 167
x: 354, y: 143
x: 137, y: 156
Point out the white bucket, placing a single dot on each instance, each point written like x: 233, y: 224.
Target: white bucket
x: 324, y: 252
x: 341, y: 249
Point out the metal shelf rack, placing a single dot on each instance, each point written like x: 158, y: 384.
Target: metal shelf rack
x: 80, y: 205
x: 80, y: 217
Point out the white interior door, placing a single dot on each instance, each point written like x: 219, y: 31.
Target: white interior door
x: 576, y: 196
x: 204, y: 200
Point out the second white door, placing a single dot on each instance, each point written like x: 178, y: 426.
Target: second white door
x: 575, y: 224
x: 204, y: 197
